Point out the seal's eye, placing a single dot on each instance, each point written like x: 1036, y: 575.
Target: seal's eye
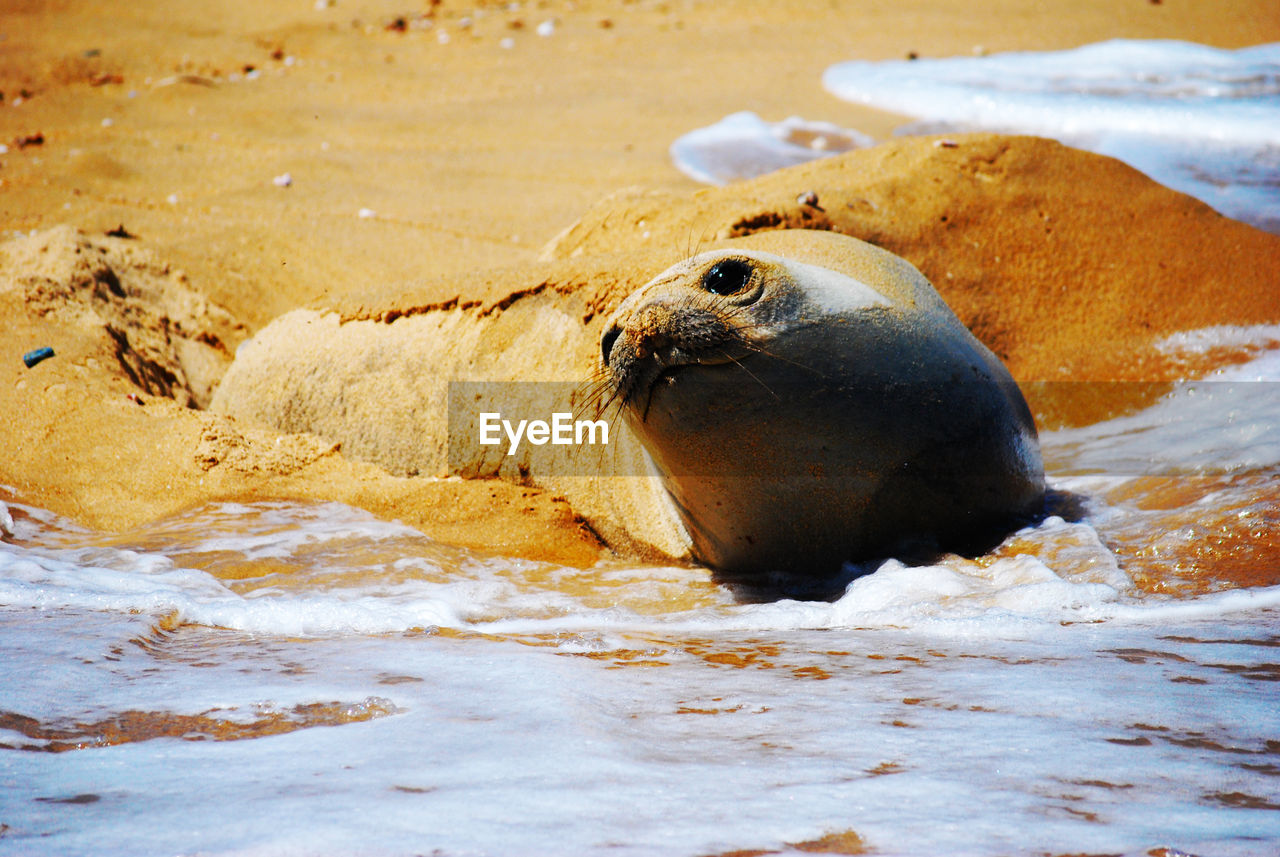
x: 727, y: 277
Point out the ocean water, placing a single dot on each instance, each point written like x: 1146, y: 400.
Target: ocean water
x: 1201, y: 120
x: 304, y: 679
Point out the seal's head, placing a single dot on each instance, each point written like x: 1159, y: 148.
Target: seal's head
x: 808, y: 399
x: 716, y: 308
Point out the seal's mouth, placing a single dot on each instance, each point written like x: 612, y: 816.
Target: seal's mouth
x: 645, y: 382
x: 637, y: 380
x: 665, y: 377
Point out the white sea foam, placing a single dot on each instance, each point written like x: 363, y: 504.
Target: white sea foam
x: 960, y: 598
x: 1248, y: 338
x: 1201, y: 120
x: 1169, y: 88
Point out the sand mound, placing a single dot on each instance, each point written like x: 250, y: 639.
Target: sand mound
x: 108, y: 430
x: 375, y: 376
x: 169, y: 340
x: 1068, y: 265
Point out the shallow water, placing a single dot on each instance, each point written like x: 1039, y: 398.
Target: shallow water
x: 1197, y: 119
x: 284, y: 678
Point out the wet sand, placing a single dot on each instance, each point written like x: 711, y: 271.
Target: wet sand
x: 252, y: 158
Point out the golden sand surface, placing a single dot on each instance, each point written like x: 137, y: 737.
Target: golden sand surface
x: 177, y: 175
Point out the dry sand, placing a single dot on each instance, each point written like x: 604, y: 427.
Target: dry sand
x: 174, y: 121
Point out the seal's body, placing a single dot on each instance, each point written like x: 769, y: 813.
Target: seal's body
x: 808, y: 399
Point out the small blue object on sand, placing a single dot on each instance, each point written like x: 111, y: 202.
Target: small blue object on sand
x: 31, y: 358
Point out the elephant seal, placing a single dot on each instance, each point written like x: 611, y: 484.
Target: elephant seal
x: 808, y: 400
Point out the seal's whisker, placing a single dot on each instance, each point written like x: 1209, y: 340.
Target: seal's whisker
x: 606, y: 391
x: 762, y: 350
x: 599, y: 397
x: 702, y: 240
x: 737, y: 361
x: 594, y: 395
x: 586, y: 401
x: 756, y: 347
x: 614, y: 403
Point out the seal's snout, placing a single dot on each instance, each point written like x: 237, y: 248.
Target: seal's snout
x: 651, y: 330
x: 669, y: 326
x: 644, y: 333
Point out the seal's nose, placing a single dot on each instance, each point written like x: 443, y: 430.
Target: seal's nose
x: 651, y: 331
x: 606, y: 342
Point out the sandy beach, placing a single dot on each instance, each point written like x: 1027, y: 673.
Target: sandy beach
x: 261, y: 157
x: 246, y: 244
